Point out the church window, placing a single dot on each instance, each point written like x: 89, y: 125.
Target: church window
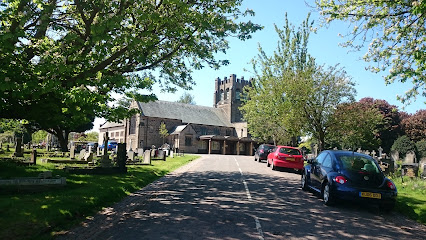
x: 132, y: 125
x: 188, y: 140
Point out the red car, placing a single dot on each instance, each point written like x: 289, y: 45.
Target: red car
x: 286, y: 157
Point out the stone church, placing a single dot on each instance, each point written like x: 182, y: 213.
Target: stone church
x: 192, y: 129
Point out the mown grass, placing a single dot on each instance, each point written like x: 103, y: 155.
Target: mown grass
x: 40, y: 213
x: 411, y: 199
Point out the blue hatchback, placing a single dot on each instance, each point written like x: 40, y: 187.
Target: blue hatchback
x: 112, y: 144
x: 348, y: 176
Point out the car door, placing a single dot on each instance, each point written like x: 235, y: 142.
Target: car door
x: 325, y: 168
x: 316, y: 170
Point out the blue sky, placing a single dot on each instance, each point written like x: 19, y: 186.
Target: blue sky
x: 324, y: 46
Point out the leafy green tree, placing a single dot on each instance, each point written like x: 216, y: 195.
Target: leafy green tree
x: 186, y: 98
x: 390, y: 128
x: 354, y: 125
x: 403, y: 145
x: 292, y: 93
x: 396, y: 32
x: 415, y: 126
x: 89, y: 137
x: 38, y: 136
x: 421, y: 149
x: 68, y: 59
x: 163, y: 131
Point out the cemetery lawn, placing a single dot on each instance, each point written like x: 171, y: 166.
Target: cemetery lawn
x: 42, y: 214
x: 411, y: 199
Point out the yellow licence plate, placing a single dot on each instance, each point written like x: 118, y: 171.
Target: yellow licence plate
x: 289, y: 159
x: 370, y: 195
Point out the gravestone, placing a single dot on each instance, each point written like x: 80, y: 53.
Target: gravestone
x: 105, y: 161
x: 315, y: 150
x: 367, y: 152
x: 380, y: 151
x: 72, y: 152
x: 373, y: 154
x: 394, y: 156
x: 147, y: 157
x: 88, y: 157
x: 131, y: 155
x: 34, y: 156
x: 82, y: 154
x: 410, y: 157
x: 171, y: 154
x: 45, y: 174
x: 98, y: 151
x: 161, y: 154
x: 359, y: 150
x: 121, y: 157
x: 90, y: 149
x: 335, y: 148
x: 18, y: 148
x: 140, y: 152
x: 153, y: 151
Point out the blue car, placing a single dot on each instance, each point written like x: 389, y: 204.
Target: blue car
x: 112, y: 144
x: 348, y: 176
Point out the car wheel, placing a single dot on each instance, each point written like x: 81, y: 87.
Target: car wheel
x: 326, y: 195
x: 304, y: 182
x: 267, y: 163
x: 255, y: 159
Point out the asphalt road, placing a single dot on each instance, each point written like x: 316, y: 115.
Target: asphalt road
x: 234, y: 197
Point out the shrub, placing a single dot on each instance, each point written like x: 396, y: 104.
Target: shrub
x: 421, y: 148
x: 403, y: 145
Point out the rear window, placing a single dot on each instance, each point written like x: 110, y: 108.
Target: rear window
x: 290, y: 151
x: 358, y: 163
x: 267, y: 147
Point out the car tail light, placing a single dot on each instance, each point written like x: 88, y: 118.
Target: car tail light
x: 390, y: 185
x: 340, y: 179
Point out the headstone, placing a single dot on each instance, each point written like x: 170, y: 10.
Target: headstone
x: 161, y: 154
x: 147, y: 157
x: 105, y: 161
x: 34, y: 156
x: 90, y: 149
x: 367, y: 152
x: 359, y: 150
x: 410, y: 157
x: 72, y: 152
x: 98, y: 151
x: 153, y: 151
x: 171, y: 154
x: 131, y: 155
x: 335, y: 148
x: 140, y: 152
x: 18, y: 148
x: 373, y: 153
x: 82, y: 154
x: 394, y: 156
x: 105, y: 152
x: 121, y: 157
x: 315, y: 150
x: 380, y: 151
x: 88, y: 157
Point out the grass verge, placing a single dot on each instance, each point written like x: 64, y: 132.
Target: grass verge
x: 36, y: 214
x: 411, y: 199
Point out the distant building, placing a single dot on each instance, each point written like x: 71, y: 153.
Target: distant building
x: 193, y: 129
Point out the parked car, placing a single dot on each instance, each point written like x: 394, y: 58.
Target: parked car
x: 262, y: 152
x: 285, y: 157
x: 112, y: 144
x: 348, y: 176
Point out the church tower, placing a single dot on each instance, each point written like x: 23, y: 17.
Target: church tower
x: 227, y: 96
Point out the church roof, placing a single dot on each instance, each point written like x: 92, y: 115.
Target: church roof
x: 111, y: 125
x: 186, y: 112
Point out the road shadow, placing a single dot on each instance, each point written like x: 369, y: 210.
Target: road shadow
x: 216, y: 205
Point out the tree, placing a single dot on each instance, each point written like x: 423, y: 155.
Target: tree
x: 163, y: 131
x: 415, y: 126
x: 390, y: 128
x: 403, y: 145
x: 186, y: 98
x: 396, y: 31
x: 68, y: 59
x: 354, y: 125
x: 38, y: 136
x: 291, y: 92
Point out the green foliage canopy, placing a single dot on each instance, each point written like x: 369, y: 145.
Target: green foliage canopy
x: 186, y: 98
x: 396, y: 32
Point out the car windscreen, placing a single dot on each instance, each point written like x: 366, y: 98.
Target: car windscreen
x: 290, y: 151
x: 267, y: 147
x: 358, y: 163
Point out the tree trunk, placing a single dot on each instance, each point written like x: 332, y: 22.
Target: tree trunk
x: 62, y: 138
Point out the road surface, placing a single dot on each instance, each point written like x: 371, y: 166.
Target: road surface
x: 234, y: 197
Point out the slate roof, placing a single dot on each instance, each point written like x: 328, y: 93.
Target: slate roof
x: 111, y: 125
x: 178, y: 129
x: 186, y: 112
